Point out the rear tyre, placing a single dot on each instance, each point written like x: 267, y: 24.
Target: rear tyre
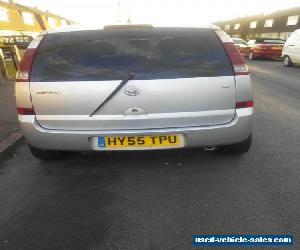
x: 251, y: 56
x: 236, y: 149
x: 287, y: 62
x: 46, y: 154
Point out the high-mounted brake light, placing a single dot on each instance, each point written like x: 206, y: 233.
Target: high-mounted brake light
x: 25, y: 66
x: 128, y: 26
x: 238, y: 63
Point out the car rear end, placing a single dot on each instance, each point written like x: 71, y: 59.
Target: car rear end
x: 242, y: 46
x: 244, y: 49
x: 268, y: 48
x: 190, y: 87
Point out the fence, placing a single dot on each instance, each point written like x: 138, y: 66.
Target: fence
x: 10, y: 57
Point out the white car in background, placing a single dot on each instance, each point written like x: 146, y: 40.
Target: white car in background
x: 291, y: 50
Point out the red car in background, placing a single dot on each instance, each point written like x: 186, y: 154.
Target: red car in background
x: 265, y: 47
x: 242, y: 45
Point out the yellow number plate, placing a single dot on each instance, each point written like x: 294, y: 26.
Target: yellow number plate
x: 144, y: 141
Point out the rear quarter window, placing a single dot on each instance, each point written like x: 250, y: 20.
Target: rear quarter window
x: 158, y: 53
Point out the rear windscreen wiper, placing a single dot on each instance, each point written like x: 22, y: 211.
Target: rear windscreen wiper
x: 112, y: 94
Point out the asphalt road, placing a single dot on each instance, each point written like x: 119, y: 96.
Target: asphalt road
x: 157, y: 200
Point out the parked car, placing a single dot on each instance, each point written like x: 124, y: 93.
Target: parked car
x: 242, y: 45
x: 291, y: 49
x: 134, y: 87
x: 265, y: 48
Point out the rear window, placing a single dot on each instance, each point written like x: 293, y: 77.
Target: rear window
x: 159, y: 53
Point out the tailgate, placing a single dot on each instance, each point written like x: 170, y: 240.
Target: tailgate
x: 160, y: 104
x: 183, y: 77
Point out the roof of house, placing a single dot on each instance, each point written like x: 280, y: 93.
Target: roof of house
x: 278, y: 13
x: 38, y: 11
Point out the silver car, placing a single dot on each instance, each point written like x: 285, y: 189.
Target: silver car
x: 134, y: 87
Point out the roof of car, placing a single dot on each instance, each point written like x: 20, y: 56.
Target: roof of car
x: 71, y: 28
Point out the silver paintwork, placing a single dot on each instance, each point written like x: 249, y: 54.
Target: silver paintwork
x: 166, y: 103
x: 243, y: 88
x: 200, y: 109
x: 198, y: 126
x: 235, y: 131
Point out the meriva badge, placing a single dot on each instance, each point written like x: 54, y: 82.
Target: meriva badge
x: 132, y: 90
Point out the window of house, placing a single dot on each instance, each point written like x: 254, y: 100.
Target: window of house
x: 292, y: 20
x: 253, y: 24
x: 237, y: 26
x: 269, y: 23
x: 227, y: 27
x: 27, y: 18
x: 3, y: 14
x: 51, y: 22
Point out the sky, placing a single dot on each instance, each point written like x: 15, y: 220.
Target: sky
x: 193, y: 12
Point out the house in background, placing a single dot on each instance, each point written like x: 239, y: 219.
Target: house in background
x: 279, y: 24
x: 17, y: 19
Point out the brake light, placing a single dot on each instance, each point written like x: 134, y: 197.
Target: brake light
x: 238, y: 62
x: 25, y: 65
x: 25, y: 111
x: 244, y: 104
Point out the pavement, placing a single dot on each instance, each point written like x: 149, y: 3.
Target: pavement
x: 159, y: 199
x: 8, y: 114
x: 9, y: 128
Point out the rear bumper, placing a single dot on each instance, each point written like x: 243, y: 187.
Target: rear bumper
x: 245, y: 52
x: 235, y: 131
x: 267, y: 53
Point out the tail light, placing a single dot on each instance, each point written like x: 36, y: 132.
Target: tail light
x: 244, y: 104
x: 238, y: 63
x: 25, y: 111
x: 23, y: 74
